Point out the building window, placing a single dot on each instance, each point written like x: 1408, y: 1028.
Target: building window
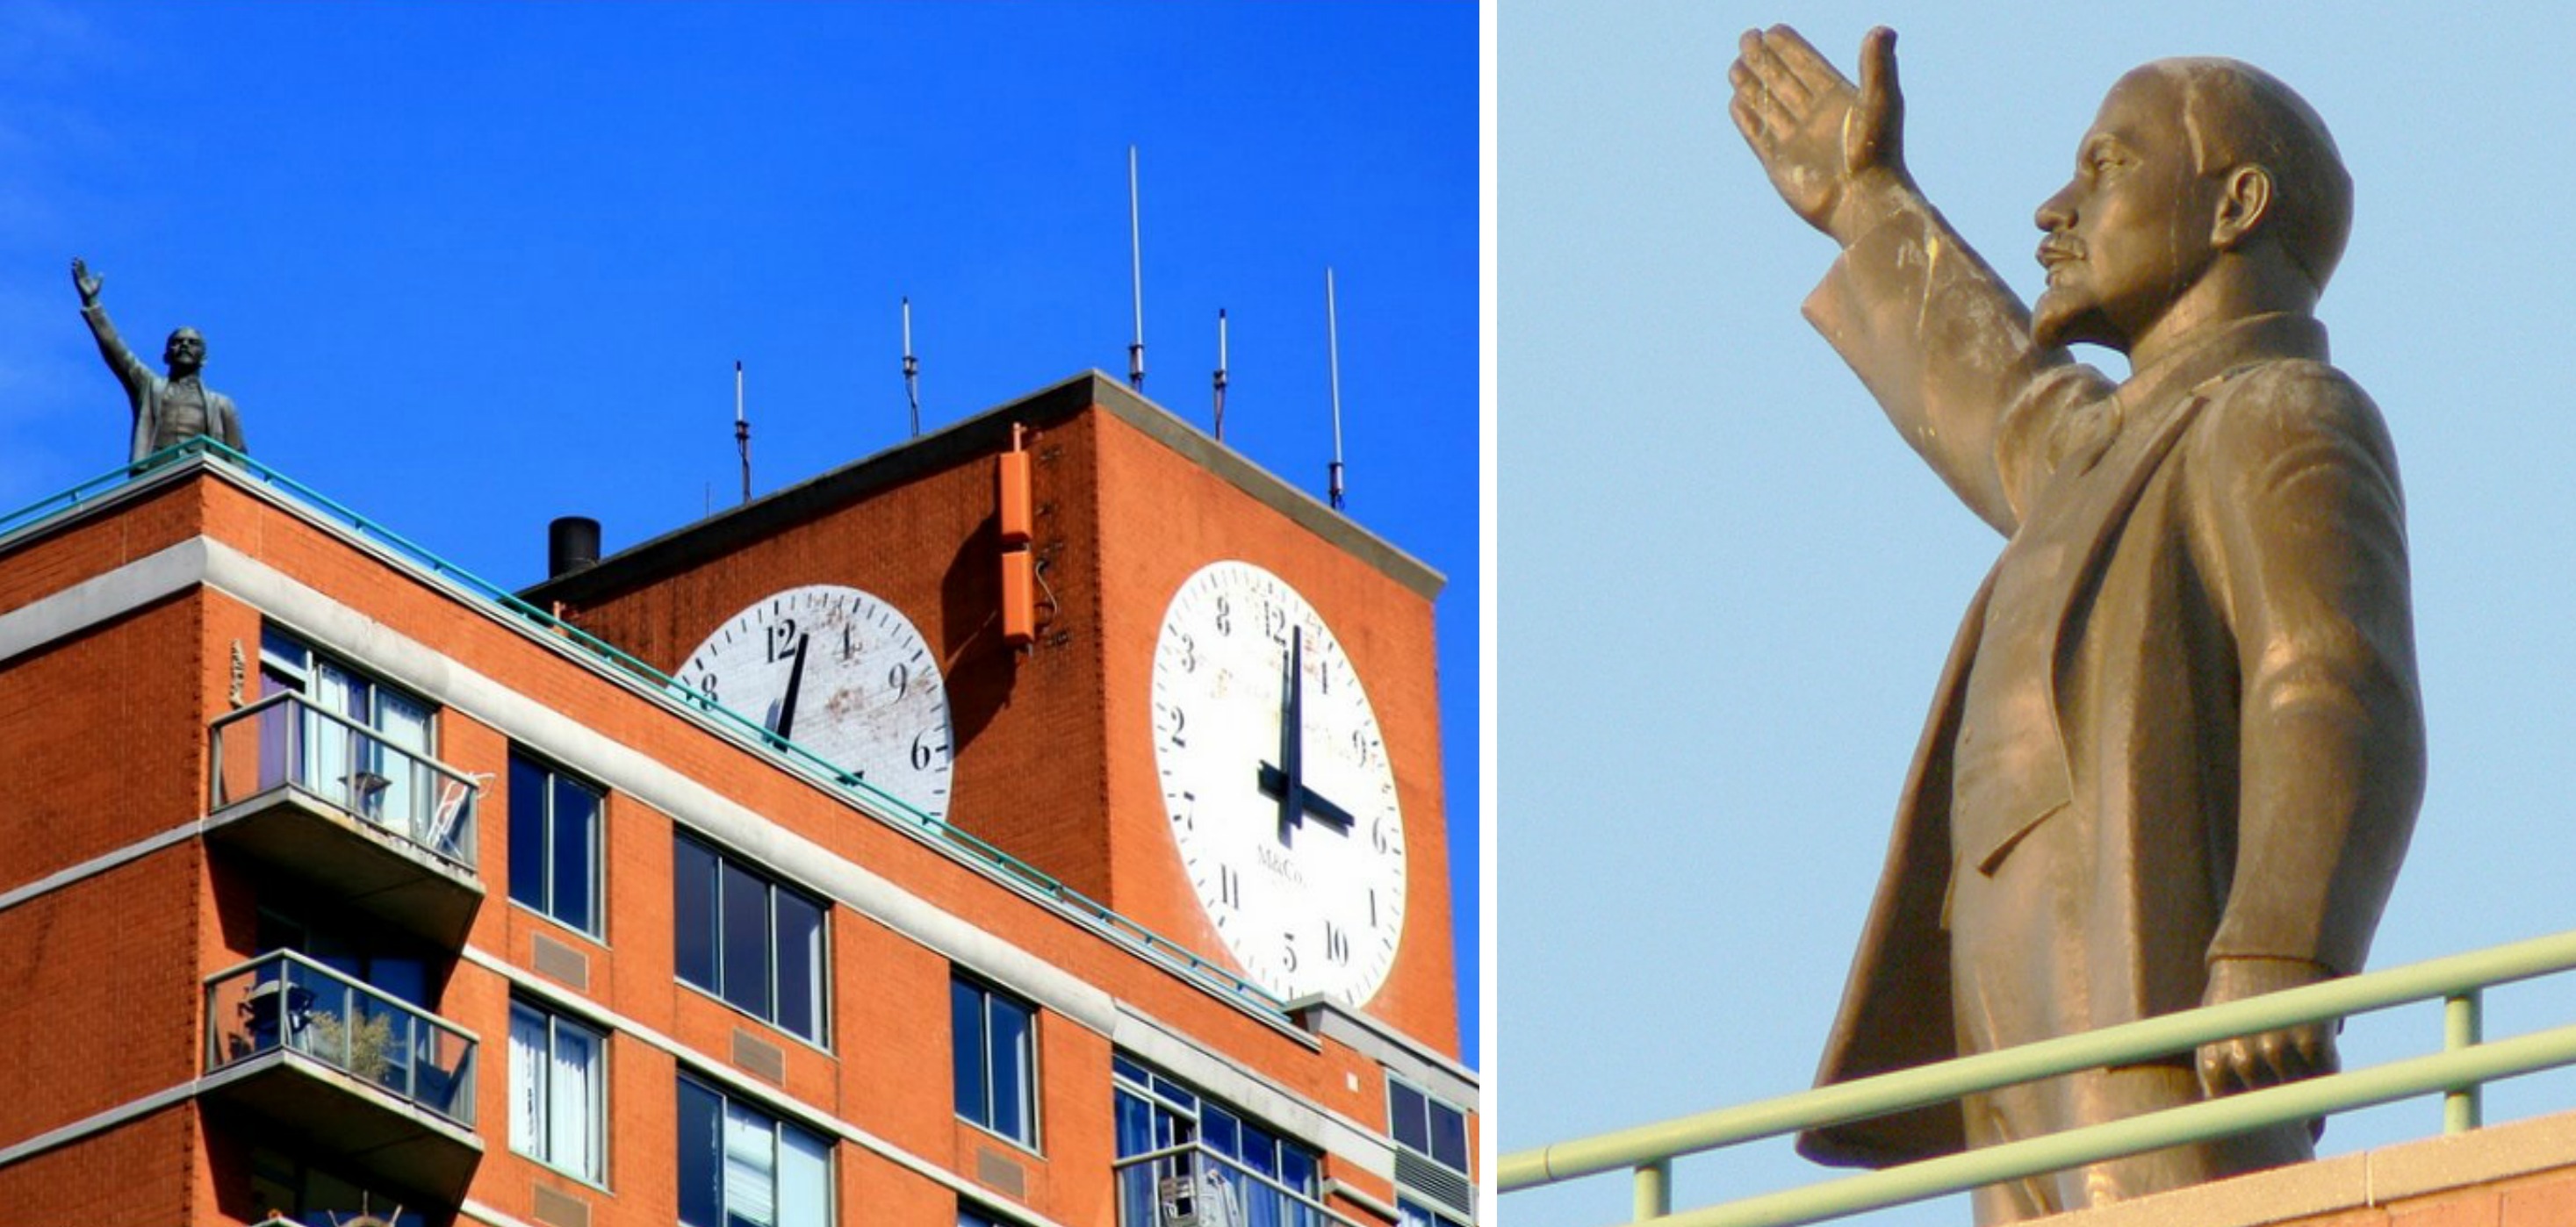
x: 355, y: 741
x: 1410, y: 1213
x: 996, y: 1060
x: 741, y: 1167
x: 558, y: 1092
x: 748, y: 940
x: 555, y: 843
x: 1431, y: 1182
x: 1224, y: 1156
x: 976, y: 1216
x: 1427, y: 1126
x: 299, y: 1192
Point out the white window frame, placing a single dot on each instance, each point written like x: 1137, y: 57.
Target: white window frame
x: 1029, y: 1090
x: 728, y: 1106
x: 597, y: 845
x: 534, y: 1125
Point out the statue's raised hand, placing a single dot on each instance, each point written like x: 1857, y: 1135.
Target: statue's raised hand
x: 1835, y: 151
x: 84, y: 281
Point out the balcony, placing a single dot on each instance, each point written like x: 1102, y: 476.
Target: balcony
x: 346, y: 815
x: 1191, y: 1183
x: 338, y: 1070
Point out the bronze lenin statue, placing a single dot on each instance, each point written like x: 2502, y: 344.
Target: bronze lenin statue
x: 2178, y: 746
x: 167, y: 410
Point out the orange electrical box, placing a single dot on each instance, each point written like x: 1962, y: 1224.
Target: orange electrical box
x: 1019, y: 597
x: 1012, y: 498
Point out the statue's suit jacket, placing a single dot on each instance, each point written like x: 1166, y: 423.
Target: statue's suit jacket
x: 144, y: 391
x: 2232, y: 676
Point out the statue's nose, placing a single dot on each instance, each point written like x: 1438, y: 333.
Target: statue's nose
x: 2057, y: 212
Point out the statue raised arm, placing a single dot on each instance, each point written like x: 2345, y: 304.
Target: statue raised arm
x: 167, y: 409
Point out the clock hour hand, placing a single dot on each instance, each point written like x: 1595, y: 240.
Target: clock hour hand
x: 782, y: 711
x: 1274, y: 783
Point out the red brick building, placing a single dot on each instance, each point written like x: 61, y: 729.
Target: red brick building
x: 943, y: 839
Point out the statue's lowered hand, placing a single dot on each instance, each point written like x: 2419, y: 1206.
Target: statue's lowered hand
x: 2272, y: 1058
x: 1836, y: 152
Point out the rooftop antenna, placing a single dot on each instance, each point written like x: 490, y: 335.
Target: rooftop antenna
x: 911, y: 368
x: 1136, y: 267
x: 1220, y: 374
x: 741, y: 431
x: 1333, y: 350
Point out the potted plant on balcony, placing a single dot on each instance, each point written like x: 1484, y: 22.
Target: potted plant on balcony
x: 363, y: 1046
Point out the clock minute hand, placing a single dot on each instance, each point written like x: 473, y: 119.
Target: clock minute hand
x: 783, y: 713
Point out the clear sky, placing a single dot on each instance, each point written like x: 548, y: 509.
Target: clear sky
x: 468, y: 267
x: 1728, y: 586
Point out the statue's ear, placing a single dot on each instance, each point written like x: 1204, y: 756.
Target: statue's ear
x: 2244, y: 201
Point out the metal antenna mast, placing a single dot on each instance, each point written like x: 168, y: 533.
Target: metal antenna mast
x: 1220, y: 374
x: 911, y: 368
x: 741, y: 431
x: 1136, y: 266
x: 1333, y: 349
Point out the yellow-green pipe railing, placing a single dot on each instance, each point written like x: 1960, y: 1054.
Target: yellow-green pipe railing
x: 1649, y: 1150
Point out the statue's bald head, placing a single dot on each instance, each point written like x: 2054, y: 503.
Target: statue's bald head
x: 2235, y: 115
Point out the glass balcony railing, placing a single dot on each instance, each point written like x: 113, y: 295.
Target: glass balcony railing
x: 287, y: 1000
x: 1217, y: 1190
x: 284, y: 741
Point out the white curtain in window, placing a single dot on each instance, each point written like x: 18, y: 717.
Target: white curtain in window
x: 572, y: 1124
x: 326, y: 752
x: 405, y: 726
x: 751, y: 1166
x: 804, y: 1180
x: 527, y: 1082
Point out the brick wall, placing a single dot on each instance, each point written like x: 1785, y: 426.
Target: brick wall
x: 125, y: 952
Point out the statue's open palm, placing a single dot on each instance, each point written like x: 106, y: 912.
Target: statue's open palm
x: 1826, y: 144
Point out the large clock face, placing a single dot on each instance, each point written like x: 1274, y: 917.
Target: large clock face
x: 1277, y: 784
x: 842, y: 674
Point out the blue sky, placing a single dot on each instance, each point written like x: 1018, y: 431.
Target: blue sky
x: 467, y: 267
x: 1728, y: 586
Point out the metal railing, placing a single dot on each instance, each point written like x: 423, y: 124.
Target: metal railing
x: 2456, y: 1073
x: 284, y: 741
x: 1225, y: 1192
x: 286, y: 1000
x: 1170, y: 954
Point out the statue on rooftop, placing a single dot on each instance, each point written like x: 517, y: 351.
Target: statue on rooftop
x: 167, y: 410
x: 2177, y: 750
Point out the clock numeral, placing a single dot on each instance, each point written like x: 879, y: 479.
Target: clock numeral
x: 1361, y: 750
x: 1381, y: 837
x: 924, y: 753
x: 1179, y: 718
x: 899, y: 677
x: 1189, y: 654
x: 782, y: 639
x: 1337, y: 944
x: 1274, y: 621
x: 849, y: 645
x: 1224, y: 616
x: 1186, y: 814
x: 1229, y: 887
x: 1372, y: 907
x: 1288, y: 950
x: 707, y: 686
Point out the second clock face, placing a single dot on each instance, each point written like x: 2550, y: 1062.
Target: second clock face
x: 1276, y: 781
x: 843, y: 674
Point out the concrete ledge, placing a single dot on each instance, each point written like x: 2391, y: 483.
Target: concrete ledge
x: 2358, y: 1190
